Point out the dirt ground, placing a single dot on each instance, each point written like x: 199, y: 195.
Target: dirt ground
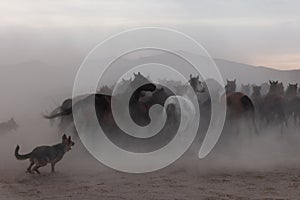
x: 267, y: 167
x: 185, y: 179
x: 170, y: 183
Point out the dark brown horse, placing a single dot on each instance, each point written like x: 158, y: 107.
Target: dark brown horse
x: 273, y: 104
x: 292, y: 103
x: 239, y: 105
x: 62, y: 114
x: 257, y: 99
x: 160, y: 95
x: 103, y: 104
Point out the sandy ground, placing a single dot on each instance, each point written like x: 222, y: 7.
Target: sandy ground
x: 281, y: 183
x: 267, y: 167
x: 188, y: 178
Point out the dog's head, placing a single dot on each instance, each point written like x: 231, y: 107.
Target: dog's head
x: 67, y: 142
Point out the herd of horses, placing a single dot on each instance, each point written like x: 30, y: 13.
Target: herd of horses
x: 258, y: 107
x: 277, y: 107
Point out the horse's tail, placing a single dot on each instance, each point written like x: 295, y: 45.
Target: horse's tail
x: 60, y: 114
x: 248, y: 104
x: 250, y: 109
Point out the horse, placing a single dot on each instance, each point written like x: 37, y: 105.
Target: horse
x: 257, y: 99
x: 201, y: 91
x: 64, y: 115
x: 245, y: 89
x: 239, y: 105
x: 180, y: 109
x: 138, y: 112
x: 105, y: 90
x: 274, y: 103
x: 123, y: 85
x: 291, y: 91
x: 165, y: 97
x: 265, y: 87
x: 139, y: 80
x: 64, y: 109
x: 292, y: 102
x: 8, y: 126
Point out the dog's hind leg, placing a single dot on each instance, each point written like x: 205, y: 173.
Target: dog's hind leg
x: 37, y: 166
x: 30, y: 166
x: 52, y: 167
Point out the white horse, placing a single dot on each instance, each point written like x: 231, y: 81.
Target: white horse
x: 182, y: 107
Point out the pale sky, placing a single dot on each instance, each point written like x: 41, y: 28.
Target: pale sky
x: 258, y: 32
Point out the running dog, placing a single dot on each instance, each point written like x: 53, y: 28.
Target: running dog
x: 42, y: 155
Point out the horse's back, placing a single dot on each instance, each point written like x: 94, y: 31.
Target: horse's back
x: 239, y: 103
x: 234, y: 99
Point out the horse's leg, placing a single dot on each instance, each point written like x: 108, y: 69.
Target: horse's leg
x: 282, y: 120
x: 283, y: 117
x: 295, y: 118
x: 237, y: 127
x: 262, y: 120
x: 254, y: 124
x: 251, y: 121
x: 267, y: 119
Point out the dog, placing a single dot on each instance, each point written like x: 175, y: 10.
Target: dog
x: 42, y: 155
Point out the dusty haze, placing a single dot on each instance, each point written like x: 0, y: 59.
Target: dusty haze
x: 43, y: 43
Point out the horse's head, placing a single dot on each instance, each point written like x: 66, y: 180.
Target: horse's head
x: 292, y: 87
x: 276, y: 87
x: 245, y: 89
x: 291, y: 90
x: 123, y: 86
x: 196, y: 84
x: 230, y: 86
x: 139, y: 79
x: 105, y: 90
x: 256, y: 90
x: 126, y: 82
x: 13, y: 124
x: 273, y: 86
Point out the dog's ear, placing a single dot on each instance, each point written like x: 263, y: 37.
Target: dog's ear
x: 64, y: 137
x: 69, y: 138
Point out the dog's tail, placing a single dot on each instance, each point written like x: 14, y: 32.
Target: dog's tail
x: 21, y: 157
